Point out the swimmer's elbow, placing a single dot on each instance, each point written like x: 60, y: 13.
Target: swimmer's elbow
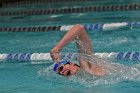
x: 79, y: 26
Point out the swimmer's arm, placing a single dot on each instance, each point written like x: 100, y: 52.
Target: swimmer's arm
x: 71, y: 35
x: 76, y: 32
x: 63, y: 42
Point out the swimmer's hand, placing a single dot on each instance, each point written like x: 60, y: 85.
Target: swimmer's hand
x: 55, y: 55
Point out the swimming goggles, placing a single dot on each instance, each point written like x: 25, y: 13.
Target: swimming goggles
x: 58, y: 64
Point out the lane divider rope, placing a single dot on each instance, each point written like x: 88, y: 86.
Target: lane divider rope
x: 93, y: 27
x: 16, y: 3
x: 65, y: 10
x: 27, y: 57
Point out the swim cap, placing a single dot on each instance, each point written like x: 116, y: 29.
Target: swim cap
x: 60, y: 63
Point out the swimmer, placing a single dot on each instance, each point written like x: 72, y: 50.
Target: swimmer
x: 66, y: 68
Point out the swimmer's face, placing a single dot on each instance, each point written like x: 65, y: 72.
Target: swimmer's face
x: 68, y: 69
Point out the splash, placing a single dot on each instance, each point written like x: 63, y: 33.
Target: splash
x: 115, y: 72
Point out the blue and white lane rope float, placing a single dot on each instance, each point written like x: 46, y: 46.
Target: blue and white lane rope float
x: 91, y: 27
x: 27, y: 57
x: 104, y: 27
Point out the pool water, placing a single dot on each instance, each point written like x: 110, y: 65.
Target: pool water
x: 39, y: 78
x: 27, y: 77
